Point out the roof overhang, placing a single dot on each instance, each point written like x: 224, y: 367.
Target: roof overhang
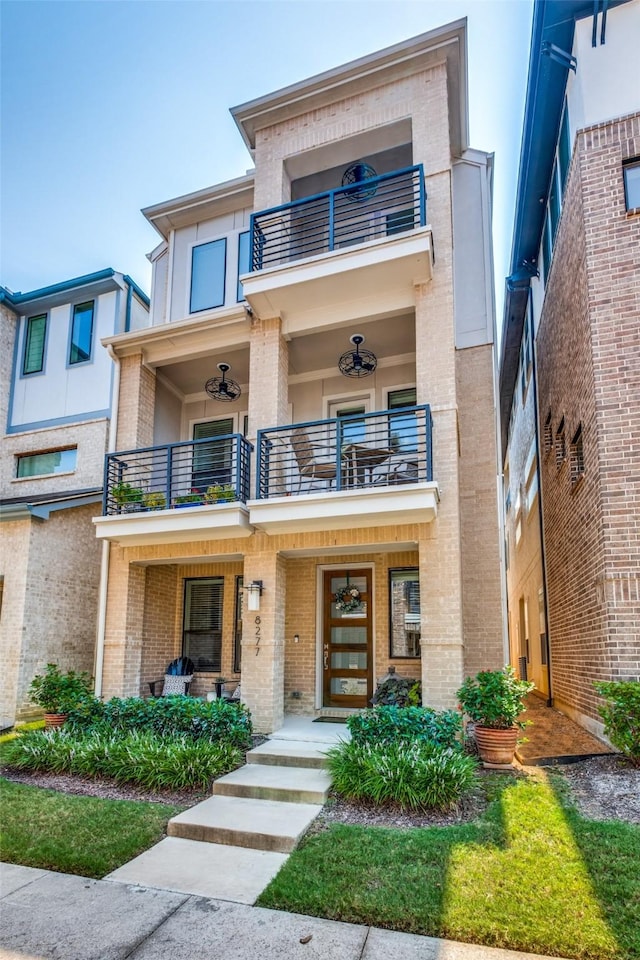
x: 89, y: 285
x: 204, y: 204
x: 40, y: 507
x: 448, y: 42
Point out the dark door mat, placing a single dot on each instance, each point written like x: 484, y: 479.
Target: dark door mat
x: 330, y: 720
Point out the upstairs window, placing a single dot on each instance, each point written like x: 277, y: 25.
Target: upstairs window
x: 208, y: 267
x: 81, y: 333
x: 34, y: 343
x: 548, y: 434
x: 45, y: 464
x: 244, y: 266
x: 403, y: 427
x: 576, y: 456
x: 631, y: 172
x: 561, y: 444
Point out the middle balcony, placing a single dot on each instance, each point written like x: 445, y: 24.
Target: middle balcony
x: 344, y: 473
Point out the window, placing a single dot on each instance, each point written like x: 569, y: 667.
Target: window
x: 350, y: 412
x: 212, y: 462
x: 576, y: 456
x: 525, y: 357
x: 546, y: 251
x: 237, y: 633
x: 403, y: 427
x: 404, y: 613
x: 564, y: 149
x: 560, y: 444
x: 81, y: 333
x: 554, y: 203
x: 208, y: 266
x: 631, y: 172
x: 44, y: 464
x: 244, y: 260
x: 548, y: 434
x: 517, y: 509
x: 202, y: 623
x: 34, y: 343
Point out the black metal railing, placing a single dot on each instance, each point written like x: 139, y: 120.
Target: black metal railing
x: 366, y: 210
x: 382, y: 449
x: 177, y: 475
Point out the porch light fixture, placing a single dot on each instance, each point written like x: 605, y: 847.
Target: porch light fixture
x: 254, y: 592
x: 219, y: 388
x: 357, y: 363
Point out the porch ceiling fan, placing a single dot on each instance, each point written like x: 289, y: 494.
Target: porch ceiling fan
x: 219, y: 388
x: 357, y: 363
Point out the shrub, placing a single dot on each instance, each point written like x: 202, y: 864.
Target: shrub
x: 58, y: 692
x: 382, y: 725
x: 142, y: 757
x: 494, y: 698
x: 217, y: 721
x: 413, y: 775
x: 398, y: 692
x: 621, y: 715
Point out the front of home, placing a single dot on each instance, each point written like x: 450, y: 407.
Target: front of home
x: 303, y: 489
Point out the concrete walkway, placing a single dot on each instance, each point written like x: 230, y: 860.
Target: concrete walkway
x: 54, y: 916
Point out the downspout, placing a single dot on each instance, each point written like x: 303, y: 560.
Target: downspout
x: 104, y: 563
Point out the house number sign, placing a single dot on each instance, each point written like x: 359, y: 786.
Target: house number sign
x: 257, y: 622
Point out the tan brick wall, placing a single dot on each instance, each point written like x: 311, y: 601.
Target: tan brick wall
x: 51, y: 570
x: 589, y: 373
x: 481, y: 593
x: 136, y: 403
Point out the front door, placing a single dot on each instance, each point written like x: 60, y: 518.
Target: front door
x: 347, y: 666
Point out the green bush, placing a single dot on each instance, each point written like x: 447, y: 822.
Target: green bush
x: 167, y: 716
x: 141, y: 757
x: 398, y: 692
x: 413, y: 775
x: 382, y: 725
x: 621, y: 715
x: 58, y: 692
x: 494, y: 698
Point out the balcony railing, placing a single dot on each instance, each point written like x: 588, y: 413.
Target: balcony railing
x: 366, y: 210
x: 382, y: 449
x: 177, y: 475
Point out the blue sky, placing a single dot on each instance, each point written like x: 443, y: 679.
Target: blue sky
x: 111, y: 105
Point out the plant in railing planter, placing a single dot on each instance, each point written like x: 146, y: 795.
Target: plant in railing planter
x: 494, y: 701
x: 154, y: 501
x: 126, y: 496
x: 58, y: 693
x: 188, y: 499
x: 220, y: 493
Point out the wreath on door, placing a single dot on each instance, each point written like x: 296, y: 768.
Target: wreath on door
x: 347, y: 599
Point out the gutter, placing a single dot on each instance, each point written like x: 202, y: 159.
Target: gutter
x: 104, y: 563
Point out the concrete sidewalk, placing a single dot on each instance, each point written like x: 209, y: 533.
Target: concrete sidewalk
x: 54, y: 916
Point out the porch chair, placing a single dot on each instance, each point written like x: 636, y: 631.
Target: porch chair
x: 177, y: 678
x: 309, y: 466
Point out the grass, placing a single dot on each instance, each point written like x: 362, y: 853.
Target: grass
x: 88, y: 836
x: 531, y: 875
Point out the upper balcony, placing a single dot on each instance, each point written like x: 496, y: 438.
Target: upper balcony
x: 357, y: 250
x: 144, y: 491
x: 349, y: 472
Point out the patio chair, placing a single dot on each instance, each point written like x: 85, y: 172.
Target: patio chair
x: 177, y: 678
x: 309, y: 466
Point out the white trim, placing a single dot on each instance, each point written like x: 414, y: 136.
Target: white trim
x: 230, y: 416
x: 321, y: 568
x: 368, y: 397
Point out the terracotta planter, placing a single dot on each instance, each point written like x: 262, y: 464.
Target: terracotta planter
x: 496, y: 746
x: 52, y: 720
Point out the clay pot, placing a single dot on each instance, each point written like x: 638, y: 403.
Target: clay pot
x: 52, y: 720
x: 496, y: 746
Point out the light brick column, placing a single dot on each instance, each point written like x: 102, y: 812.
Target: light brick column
x: 124, y: 627
x: 263, y: 639
x: 136, y: 403
x: 269, y: 379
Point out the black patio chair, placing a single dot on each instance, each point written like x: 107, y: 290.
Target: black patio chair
x: 177, y: 678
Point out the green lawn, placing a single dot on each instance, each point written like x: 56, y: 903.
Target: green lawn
x: 531, y: 875
x: 83, y: 835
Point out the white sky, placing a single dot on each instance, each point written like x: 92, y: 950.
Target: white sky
x: 111, y: 105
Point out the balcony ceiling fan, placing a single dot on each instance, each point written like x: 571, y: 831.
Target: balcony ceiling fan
x: 359, y: 172
x: 357, y: 363
x: 219, y: 388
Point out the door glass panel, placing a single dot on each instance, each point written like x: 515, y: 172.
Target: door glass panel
x: 350, y: 635
x: 336, y: 614
x: 349, y: 661
x: 349, y: 686
x: 340, y: 583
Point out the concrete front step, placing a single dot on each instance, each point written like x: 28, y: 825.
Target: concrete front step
x: 264, y: 782
x: 237, y: 821
x: 211, y: 870
x: 289, y: 753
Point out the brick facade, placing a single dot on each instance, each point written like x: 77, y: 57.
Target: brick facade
x: 588, y: 352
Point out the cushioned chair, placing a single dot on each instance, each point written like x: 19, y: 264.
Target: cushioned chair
x: 177, y: 678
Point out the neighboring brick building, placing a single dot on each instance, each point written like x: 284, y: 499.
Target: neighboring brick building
x: 309, y: 480
x: 575, y: 291
x: 55, y: 408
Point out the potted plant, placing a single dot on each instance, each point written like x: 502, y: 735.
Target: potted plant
x: 127, y: 497
x: 494, y: 701
x: 154, y: 501
x: 188, y: 499
x: 58, y: 693
x: 220, y: 493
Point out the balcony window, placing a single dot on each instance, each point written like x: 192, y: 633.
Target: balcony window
x: 631, y: 173
x: 34, y: 344
x: 244, y: 260
x: 208, y: 267
x: 202, y: 622
x: 212, y: 462
x: 45, y: 464
x: 81, y: 333
x: 403, y: 427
